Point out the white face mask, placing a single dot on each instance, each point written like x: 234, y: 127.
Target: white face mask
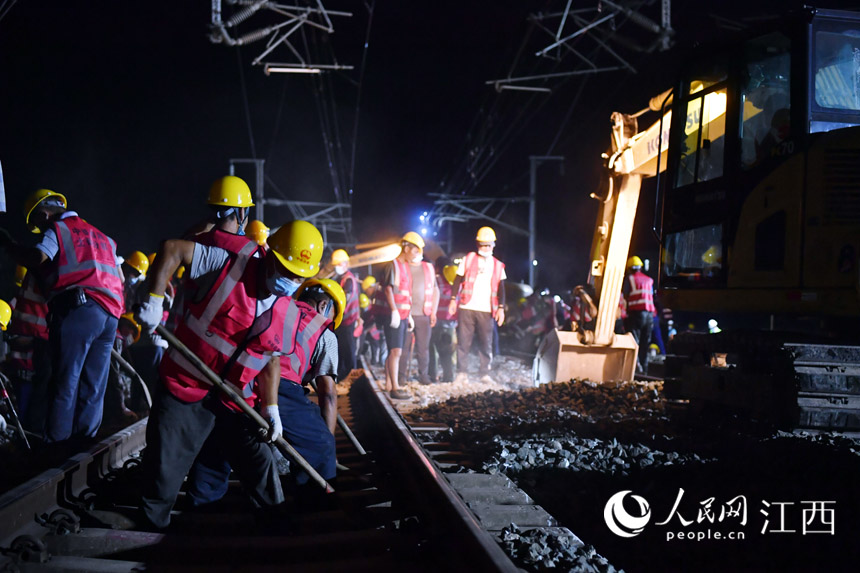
x: 340, y: 269
x: 417, y: 258
x: 485, y: 252
x: 135, y: 280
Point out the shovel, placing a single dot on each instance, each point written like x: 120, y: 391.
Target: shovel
x: 281, y: 443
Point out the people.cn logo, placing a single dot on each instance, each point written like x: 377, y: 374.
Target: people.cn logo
x: 620, y: 521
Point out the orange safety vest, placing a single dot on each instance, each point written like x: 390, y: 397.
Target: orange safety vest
x: 224, y: 240
x: 446, y: 293
x: 429, y: 283
x: 218, y: 329
x: 30, y: 316
x: 86, y: 259
x: 402, y: 287
x: 641, y: 295
x: 352, y: 310
x: 312, y: 324
x: 468, y: 285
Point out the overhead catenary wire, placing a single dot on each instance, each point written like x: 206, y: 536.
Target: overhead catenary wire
x: 370, y: 8
x: 4, y: 9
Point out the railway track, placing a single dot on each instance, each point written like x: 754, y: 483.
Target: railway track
x: 394, y: 509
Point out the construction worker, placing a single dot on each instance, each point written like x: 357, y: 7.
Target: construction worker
x: 422, y: 312
x: 442, y: 338
x: 84, y: 284
x: 308, y: 427
x: 29, y: 353
x: 480, y: 296
x: 346, y: 331
x: 394, y: 300
x: 134, y: 269
x: 258, y: 232
x: 246, y: 316
x: 229, y: 201
x: 638, y: 290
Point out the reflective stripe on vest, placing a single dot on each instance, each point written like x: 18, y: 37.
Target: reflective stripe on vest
x: 641, y: 296
x: 311, y: 326
x: 402, y: 287
x: 446, y: 293
x: 30, y: 316
x: 352, y: 310
x: 87, y: 259
x: 226, y: 321
x: 471, y: 265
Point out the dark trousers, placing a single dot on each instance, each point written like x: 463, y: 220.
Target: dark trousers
x: 175, y: 435
x: 304, y: 429
x: 420, y: 348
x: 81, y: 339
x: 146, y: 358
x: 477, y: 326
x: 442, y: 344
x: 345, y: 350
x: 639, y: 323
x: 31, y: 388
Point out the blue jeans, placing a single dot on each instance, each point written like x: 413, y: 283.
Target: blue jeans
x: 304, y: 429
x: 80, y: 341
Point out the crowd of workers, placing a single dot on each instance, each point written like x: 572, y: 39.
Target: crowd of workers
x: 86, y: 337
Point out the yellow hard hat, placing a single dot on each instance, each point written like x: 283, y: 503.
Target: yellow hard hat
x: 332, y: 289
x: 634, y: 261
x: 363, y: 301
x: 712, y: 255
x: 20, y: 273
x: 414, y: 238
x: 486, y: 235
x: 299, y: 247
x: 449, y: 272
x: 258, y: 232
x: 5, y: 314
x: 139, y: 262
x: 180, y: 271
x: 129, y: 316
x: 230, y: 191
x: 339, y: 257
x: 151, y: 258
x: 368, y: 282
x: 33, y: 201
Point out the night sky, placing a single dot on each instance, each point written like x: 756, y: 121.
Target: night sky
x: 130, y: 111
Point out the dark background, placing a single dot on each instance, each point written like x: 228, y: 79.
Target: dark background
x: 131, y: 112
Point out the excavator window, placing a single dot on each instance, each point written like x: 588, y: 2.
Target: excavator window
x: 834, y: 75
x: 703, y: 142
x: 694, y: 256
x: 765, y: 91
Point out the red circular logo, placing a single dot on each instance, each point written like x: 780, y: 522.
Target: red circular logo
x: 305, y: 256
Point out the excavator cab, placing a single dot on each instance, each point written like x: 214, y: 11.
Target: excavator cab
x: 761, y: 198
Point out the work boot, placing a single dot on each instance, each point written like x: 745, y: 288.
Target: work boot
x: 399, y: 394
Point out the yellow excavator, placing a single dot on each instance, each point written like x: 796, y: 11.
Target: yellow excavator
x: 757, y: 153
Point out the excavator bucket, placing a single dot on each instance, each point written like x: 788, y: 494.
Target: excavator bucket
x: 562, y: 357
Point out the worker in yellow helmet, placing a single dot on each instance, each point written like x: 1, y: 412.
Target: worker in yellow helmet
x: 307, y: 426
x: 422, y: 314
x: 638, y: 291
x: 442, y: 338
x: 479, y: 301
x: 84, y: 289
x: 250, y: 317
x: 351, y: 316
x: 229, y: 203
x: 394, y: 300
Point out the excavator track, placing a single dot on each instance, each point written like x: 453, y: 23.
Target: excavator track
x: 768, y: 377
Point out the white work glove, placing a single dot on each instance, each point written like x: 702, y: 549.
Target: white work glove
x: 395, y: 319
x: 276, y: 428
x: 150, y: 313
